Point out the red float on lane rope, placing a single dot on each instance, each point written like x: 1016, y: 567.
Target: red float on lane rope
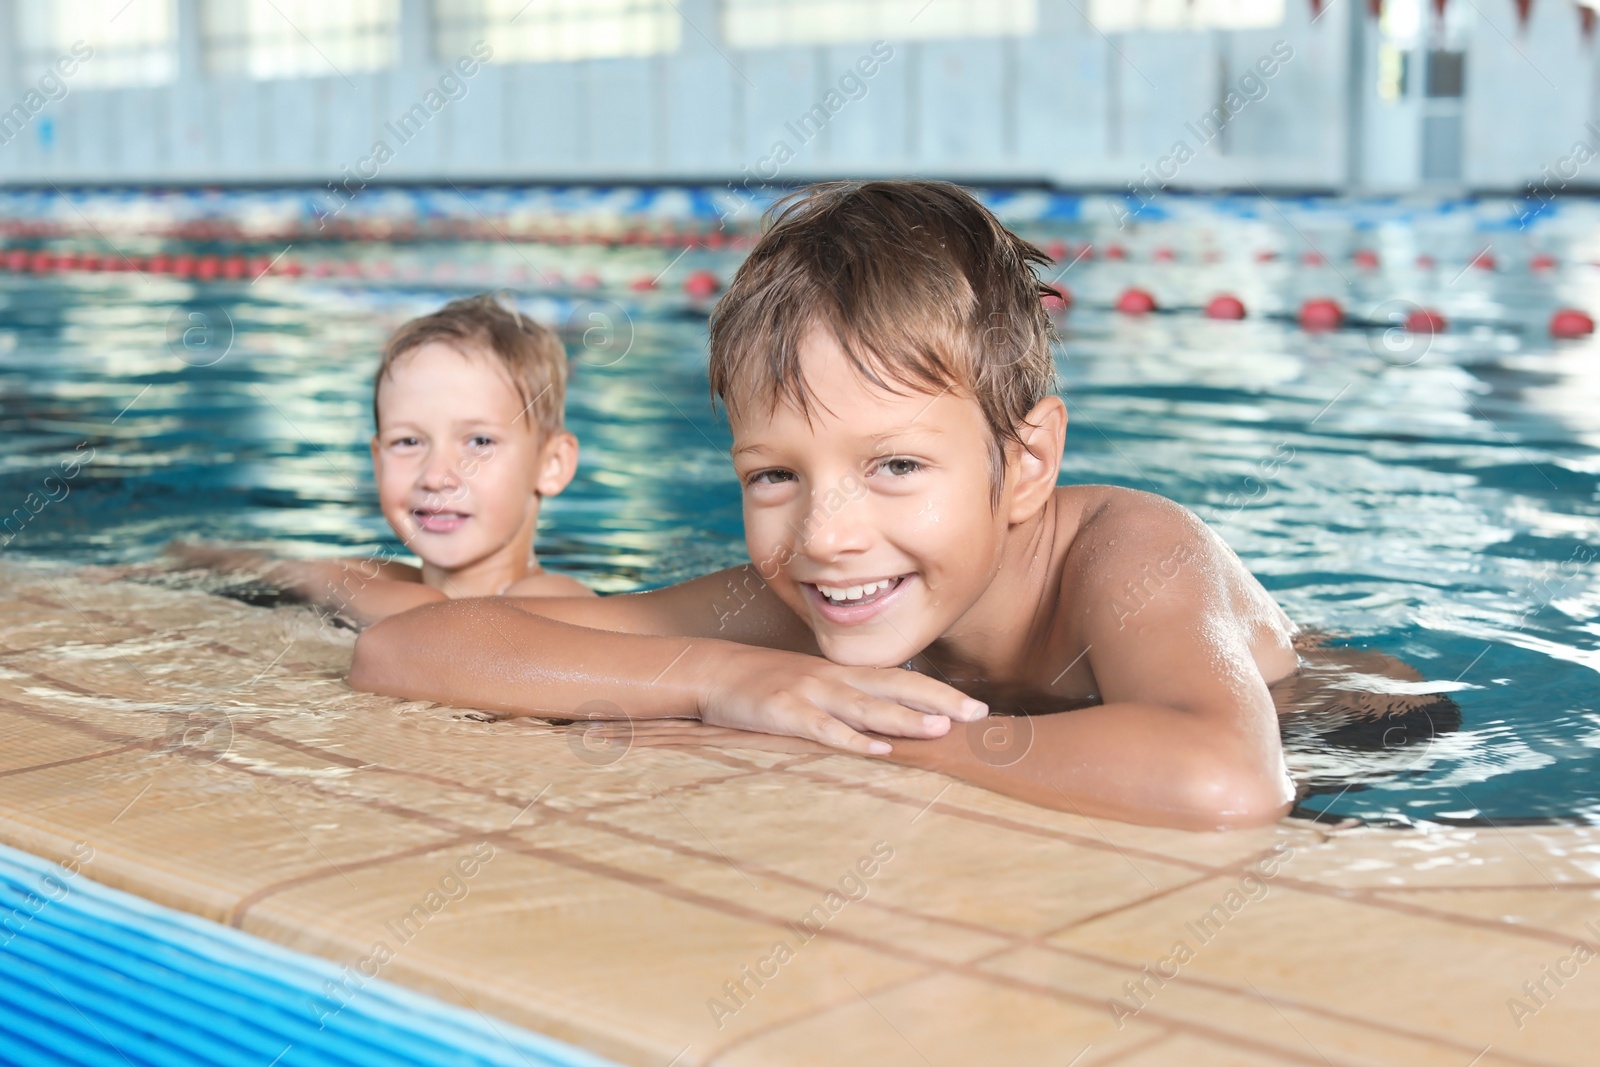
x: 1364, y: 257
x: 1135, y: 302
x: 1320, y: 314
x: 1060, y: 299
x: 1424, y: 320
x: 1570, y: 322
x: 702, y: 285
x: 1225, y: 307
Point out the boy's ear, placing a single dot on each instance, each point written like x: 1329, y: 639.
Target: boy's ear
x: 557, y: 464
x: 1038, y: 462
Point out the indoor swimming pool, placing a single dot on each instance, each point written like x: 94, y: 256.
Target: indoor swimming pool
x: 1429, y: 496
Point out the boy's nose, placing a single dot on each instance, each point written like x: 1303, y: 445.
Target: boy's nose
x: 834, y: 526
x: 440, y: 475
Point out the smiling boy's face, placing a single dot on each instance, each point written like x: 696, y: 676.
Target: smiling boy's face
x: 457, y: 459
x: 873, y: 519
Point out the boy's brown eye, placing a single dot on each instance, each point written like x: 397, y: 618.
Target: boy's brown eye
x: 901, y: 466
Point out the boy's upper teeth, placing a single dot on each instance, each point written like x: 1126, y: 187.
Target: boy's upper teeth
x: 853, y: 592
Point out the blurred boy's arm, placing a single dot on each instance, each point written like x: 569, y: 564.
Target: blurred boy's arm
x: 341, y: 586
x: 1187, y: 734
x: 721, y: 648
x: 364, y: 590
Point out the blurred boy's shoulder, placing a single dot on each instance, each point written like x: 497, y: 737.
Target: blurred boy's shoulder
x: 546, y: 584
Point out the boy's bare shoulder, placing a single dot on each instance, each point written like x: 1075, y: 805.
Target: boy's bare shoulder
x: 1128, y: 550
x: 1100, y: 518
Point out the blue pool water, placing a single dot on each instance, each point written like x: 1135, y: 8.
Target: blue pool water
x: 1436, y: 501
x: 93, y: 976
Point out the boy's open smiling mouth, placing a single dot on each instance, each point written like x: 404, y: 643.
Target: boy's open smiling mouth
x: 439, y: 522
x: 853, y: 601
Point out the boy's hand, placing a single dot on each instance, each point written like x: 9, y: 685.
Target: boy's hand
x: 794, y: 694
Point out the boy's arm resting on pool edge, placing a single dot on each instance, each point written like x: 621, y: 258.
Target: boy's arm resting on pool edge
x: 1187, y: 734
x: 660, y: 654
x: 1133, y: 762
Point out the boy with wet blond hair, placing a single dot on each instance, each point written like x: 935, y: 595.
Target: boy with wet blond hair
x: 886, y: 367
x: 468, y: 406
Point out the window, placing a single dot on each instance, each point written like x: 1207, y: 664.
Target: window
x: 134, y: 44
x: 1401, y: 21
x: 1112, y: 15
x: 299, y: 38
x: 1394, y: 73
x: 1410, y: 23
x: 532, y: 31
x: 1444, y: 73
x: 767, y: 23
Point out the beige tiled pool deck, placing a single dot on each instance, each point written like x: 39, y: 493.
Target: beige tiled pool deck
x: 211, y: 755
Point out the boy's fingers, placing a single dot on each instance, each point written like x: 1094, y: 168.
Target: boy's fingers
x: 820, y: 726
x: 921, y: 693
x: 866, y: 712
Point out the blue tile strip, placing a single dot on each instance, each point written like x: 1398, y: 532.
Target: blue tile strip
x: 91, y: 975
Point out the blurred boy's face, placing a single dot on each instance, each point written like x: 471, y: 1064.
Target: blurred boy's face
x: 457, y: 459
x: 873, y: 520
